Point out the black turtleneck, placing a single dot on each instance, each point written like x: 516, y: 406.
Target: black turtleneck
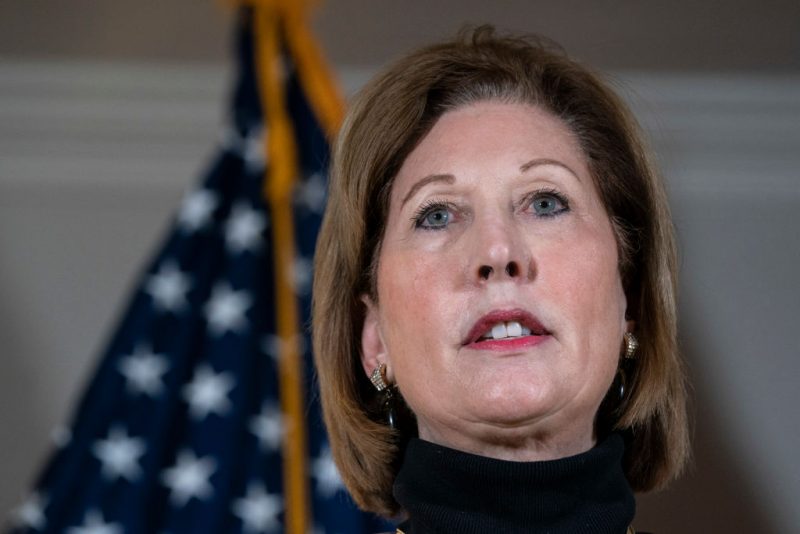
x: 447, y: 491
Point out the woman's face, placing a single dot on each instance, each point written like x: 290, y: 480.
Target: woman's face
x: 500, y: 309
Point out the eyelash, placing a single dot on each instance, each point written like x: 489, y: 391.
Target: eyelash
x: 426, y: 208
x: 531, y: 197
x: 434, y: 204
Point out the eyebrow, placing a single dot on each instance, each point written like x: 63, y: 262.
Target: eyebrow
x: 432, y: 178
x: 449, y: 178
x: 547, y: 161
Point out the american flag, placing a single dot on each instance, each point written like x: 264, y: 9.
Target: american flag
x: 184, y: 427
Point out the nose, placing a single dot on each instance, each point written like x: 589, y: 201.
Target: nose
x: 512, y: 270
x: 502, y: 254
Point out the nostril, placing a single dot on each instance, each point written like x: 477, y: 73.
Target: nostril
x: 485, y: 271
x: 512, y: 269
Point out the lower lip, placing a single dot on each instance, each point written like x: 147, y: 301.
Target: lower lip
x: 508, y: 344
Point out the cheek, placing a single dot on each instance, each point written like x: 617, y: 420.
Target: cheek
x: 593, y: 286
x: 414, y: 300
x: 587, y: 268
x: 583, y: 278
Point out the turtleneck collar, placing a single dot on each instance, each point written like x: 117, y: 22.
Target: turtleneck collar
x: 444, y: 491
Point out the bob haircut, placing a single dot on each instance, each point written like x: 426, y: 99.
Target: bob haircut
x: 385, y: 123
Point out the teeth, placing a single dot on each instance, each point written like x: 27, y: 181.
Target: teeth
x: 505, y: 330
x: 499, y: 331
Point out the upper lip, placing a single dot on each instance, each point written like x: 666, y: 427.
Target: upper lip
x: 485, y: 323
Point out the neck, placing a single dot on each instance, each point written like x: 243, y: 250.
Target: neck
x: 445, y: 490
x: 514, y: 444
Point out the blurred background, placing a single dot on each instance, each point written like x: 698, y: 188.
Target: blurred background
x: 110, y: 110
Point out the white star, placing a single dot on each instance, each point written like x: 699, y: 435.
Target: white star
x: 272, y: 345
x: 168, y: 288
x: 252, y: 151
x: 249, y: 148
x: 61, y: 436
x: 243, y: 229
x: 208, y: 392
x: 268, y: 427
x: 311, y: 193
x: 328, y: 479
x: 225, y: 309
x: 302, y: 272
x: 143, y: 371
x: 93, y: 523
x: 30, y: 513
x: 258, y: 510
x: 196, y: 209
x: 229, y: 139
x: 120, y: 454
x: 189, y: 478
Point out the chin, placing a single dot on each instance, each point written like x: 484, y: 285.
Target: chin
x: 520, y: 417
x: 523, y: 393
x: 532, y: 407
x: 512, y: 410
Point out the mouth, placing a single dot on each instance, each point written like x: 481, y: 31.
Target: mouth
x: 506, y: 329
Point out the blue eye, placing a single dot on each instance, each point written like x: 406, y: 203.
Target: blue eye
x: 548, y: 203
x: 433, y: 216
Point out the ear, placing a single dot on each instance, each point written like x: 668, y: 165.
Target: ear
x: 630, y: 326
x: 373, y: 348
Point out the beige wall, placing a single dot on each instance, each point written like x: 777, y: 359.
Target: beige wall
x: 678, y: 35
x: 109, y: 110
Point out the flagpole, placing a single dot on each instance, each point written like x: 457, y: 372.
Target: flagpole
x: 281, y: 173
x: 273, y: 20
x: 323, y: 94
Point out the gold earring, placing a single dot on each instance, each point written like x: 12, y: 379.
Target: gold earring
x: 378, y: 377
x: 631, y: 345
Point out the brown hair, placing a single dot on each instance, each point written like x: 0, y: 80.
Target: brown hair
x: 387, y: 120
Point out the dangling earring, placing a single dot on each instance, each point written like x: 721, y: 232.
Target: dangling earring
x: 621, y: 382
x: 631, y: 345
x: 378, y: 379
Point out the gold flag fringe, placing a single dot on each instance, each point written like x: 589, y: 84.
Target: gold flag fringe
x: 272, y: 21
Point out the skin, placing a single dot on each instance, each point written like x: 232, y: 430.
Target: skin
x: 519, y: 194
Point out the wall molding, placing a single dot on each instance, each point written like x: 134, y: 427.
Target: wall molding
x: 150, y: 128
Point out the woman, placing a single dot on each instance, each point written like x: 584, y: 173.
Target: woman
x: 495, y: 244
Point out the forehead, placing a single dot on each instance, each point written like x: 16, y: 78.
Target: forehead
x: 470, y: 140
